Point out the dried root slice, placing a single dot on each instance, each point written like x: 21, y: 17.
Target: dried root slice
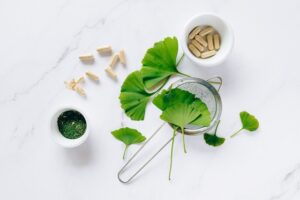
x: 194, y: 32
x: 122, y: 57
x: 105, y: 50
x: 111, y: 72
x: 114, y: 60
x: 87, y: 58
x: 210, y: 42
x: 206, y: 31
x: 80, y: 91
x: 92, y: 76
x: 208, y: 54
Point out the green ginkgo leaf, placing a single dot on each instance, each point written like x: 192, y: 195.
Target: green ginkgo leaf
x: 134, y: 97
x: 159, y: 62
x: 213, y: 140
x: 249, y: 122
x: 181, y: 114
x: 128, y: 136
x: 168, y: 98
x: 204, y: 118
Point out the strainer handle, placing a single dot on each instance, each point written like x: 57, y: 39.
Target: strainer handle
x: 147, y: 162
x: 216, y: 81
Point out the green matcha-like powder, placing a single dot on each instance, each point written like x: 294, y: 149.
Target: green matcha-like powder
x: 71, y: 124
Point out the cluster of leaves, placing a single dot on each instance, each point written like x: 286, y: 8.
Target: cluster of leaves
x: 158, y: 64
x: 180, y: 108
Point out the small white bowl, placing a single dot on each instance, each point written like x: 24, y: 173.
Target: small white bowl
x: 59, y: 138
x: 225, y: 31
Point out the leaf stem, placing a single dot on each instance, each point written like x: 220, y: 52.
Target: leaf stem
x: 183, y: 142
x: 172, y: 150
x: 233, y: 135
x: 181, y: 58
x: 215, y: 133
x: 125, y: 150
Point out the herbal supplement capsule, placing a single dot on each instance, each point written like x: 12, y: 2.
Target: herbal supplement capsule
x: 105, y: 49
x: 194, y: 32
x: 198, y: 45
x: 71, y: 85
x: 111, y: 72
x: 201, y: 40
x: 122, y: 57
x: 217, y: 41
x: 87, y: 58
x: 92, y: 76
x: 80, y: 91
x: 194, y: 50
x: 208, y: 54
x: 80, y: 80
x: 206, y: 31
x: 114, y: 61
x: 210, y: 42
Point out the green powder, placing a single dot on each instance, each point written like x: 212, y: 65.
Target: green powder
x: 71, y: 124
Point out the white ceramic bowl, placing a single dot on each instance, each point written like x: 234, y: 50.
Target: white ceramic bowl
x: 225, y: 31
x: 58, y: 137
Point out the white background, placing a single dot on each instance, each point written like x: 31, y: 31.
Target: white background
x: 39, y: 46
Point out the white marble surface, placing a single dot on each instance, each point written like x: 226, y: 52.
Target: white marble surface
x: 39, y: 46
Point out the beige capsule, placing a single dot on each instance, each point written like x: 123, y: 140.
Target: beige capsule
x: 210, y: 43
x: 194, y: 50
x: 105, y: 50
x: 114, y: 60
x: 111, y: 72
x: 206, y: 31
x: 208, y: 54
x: 71, y: 85
x: 217, y: 41
x: 198, y: 45
x: 87, y: 58
x: 201, y: 40
x: 122, y: 57
x: 194, y: 32
x: 92, y: 76
x: 80, y: 91
x: 80, y: 80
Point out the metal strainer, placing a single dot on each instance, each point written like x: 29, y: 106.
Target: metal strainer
x: 203, y: 90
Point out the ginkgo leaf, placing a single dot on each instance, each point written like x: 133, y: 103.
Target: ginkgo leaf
x: 128, y: 136
x: 181, y: 114
x: 171, y: 97
x: 159, y: 62
x: 213, y: 140
x: 133, y: 96
x: 249, y: 122
x: 168, y: 98
x: 204, y: 118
